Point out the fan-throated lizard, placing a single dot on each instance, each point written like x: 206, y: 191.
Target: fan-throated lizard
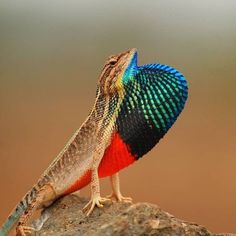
x: 134, y: 108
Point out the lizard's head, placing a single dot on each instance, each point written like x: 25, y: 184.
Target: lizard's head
x: 117, y: 71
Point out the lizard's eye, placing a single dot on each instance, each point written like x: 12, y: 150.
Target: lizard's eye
x: 113, y: 61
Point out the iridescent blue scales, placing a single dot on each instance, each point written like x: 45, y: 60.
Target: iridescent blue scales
x: 154, y: 98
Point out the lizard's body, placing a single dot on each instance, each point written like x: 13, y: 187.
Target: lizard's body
x: 134, y: 108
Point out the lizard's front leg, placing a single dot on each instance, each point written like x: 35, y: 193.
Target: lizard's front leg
x: 96, y: 199
x: 115, y: 183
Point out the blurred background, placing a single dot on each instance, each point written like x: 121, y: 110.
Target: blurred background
x: 51, y: 55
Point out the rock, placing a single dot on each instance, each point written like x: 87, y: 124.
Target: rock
x: 116, y: 219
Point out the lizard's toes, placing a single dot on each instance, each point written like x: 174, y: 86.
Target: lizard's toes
x: 22, y: 230
x: 87, y: 206
x: 125, y: 199
x: 104, y: 199
x: 118, y: 197
x: 95, y: 201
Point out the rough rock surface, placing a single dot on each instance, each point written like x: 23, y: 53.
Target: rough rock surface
x: 115, y: 219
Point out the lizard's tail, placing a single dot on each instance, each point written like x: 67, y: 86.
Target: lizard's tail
x: 17, y: 212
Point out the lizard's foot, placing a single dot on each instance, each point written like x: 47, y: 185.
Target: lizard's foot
x: 95, y: 201
x: 22, y: 230
x: 118, y: 197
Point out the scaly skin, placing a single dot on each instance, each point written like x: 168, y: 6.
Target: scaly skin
x: 134, y: 108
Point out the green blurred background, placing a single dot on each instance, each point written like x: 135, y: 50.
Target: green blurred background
x: 51, y: 54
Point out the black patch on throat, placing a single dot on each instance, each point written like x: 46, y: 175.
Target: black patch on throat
x: 134, y: 130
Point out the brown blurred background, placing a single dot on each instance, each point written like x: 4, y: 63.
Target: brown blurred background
x: 51, y: 54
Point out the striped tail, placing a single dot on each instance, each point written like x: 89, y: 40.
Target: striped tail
x: 17, y: 212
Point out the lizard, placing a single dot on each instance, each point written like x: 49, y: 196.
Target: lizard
x: 134, y: 108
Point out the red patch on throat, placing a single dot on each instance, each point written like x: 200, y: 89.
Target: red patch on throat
x: 116, y: 157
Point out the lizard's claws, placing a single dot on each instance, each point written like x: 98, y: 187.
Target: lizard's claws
x: 118, y: 197
x: 22, y: 230
x: 95, y: 201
